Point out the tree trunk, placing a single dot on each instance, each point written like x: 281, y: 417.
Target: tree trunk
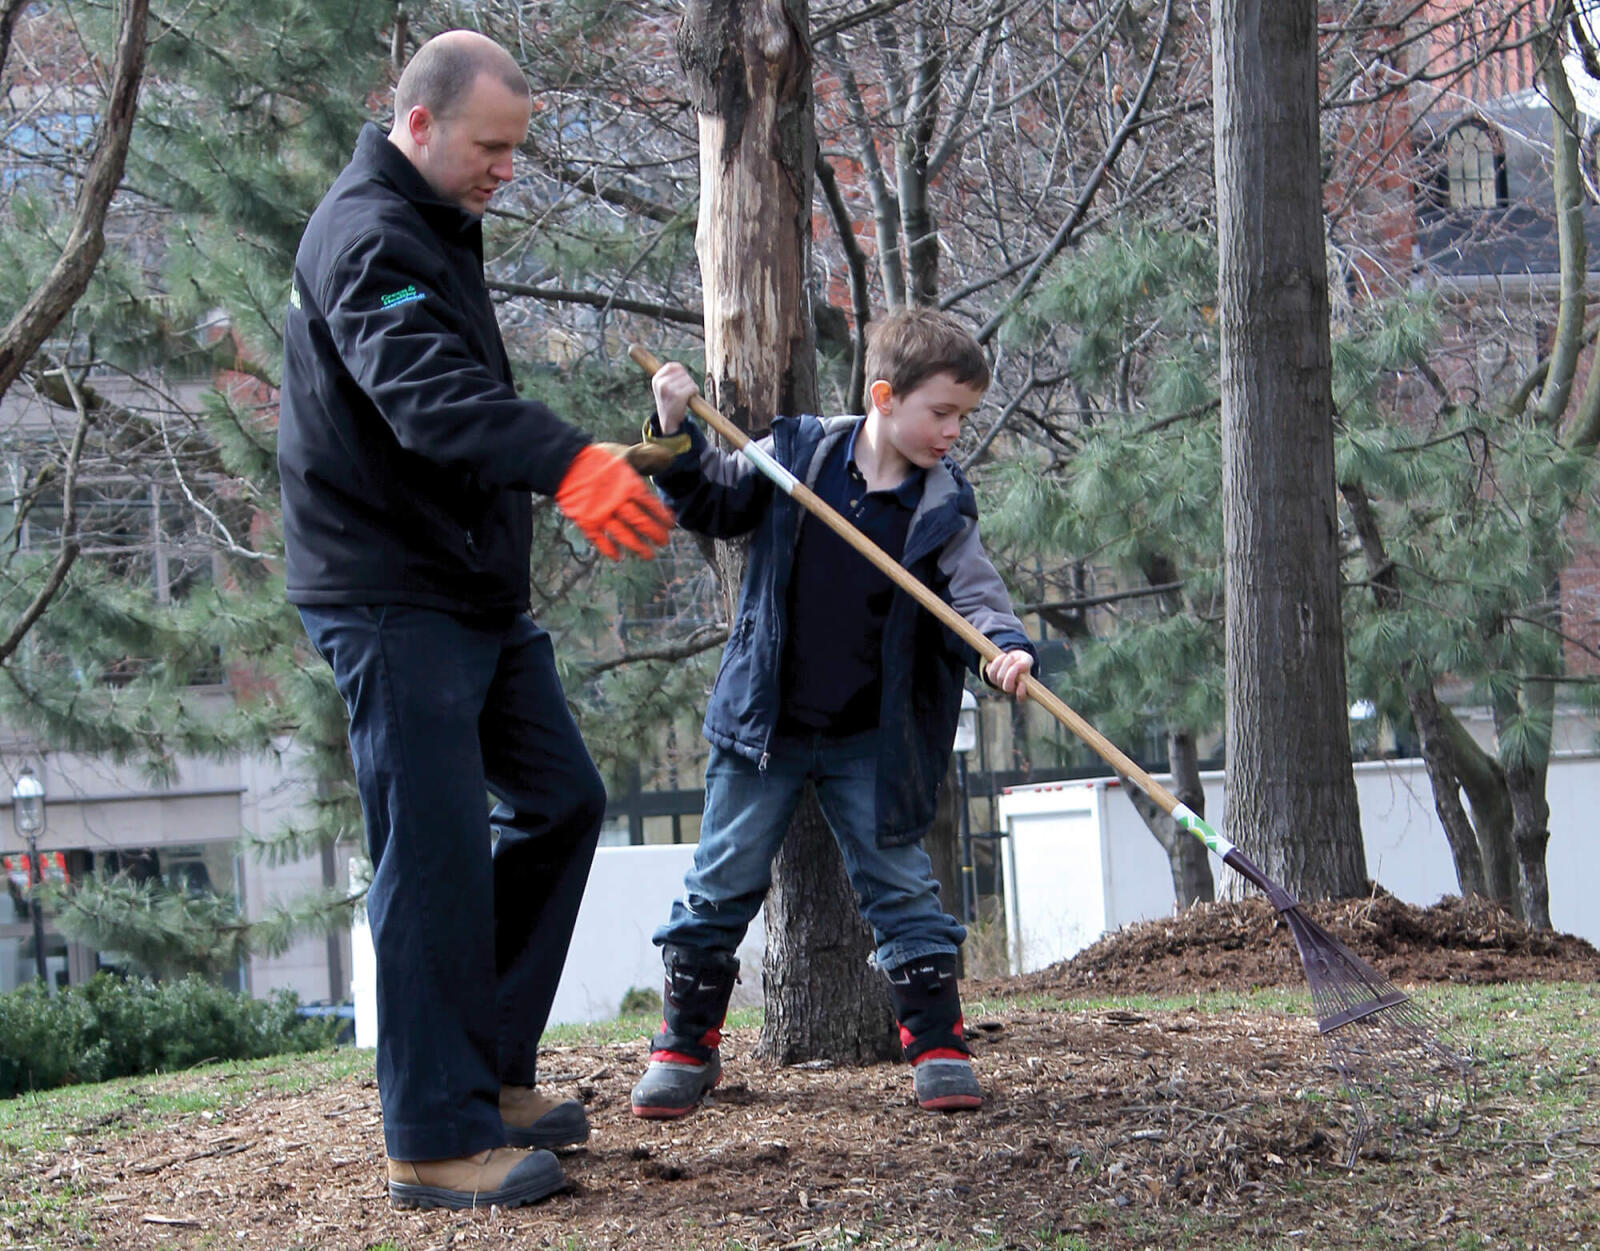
x: 1186, y: 855
x: 1530, y: 811
x: 1484, y: 780
x: 943, y: 843
x: 748, y: 65
x: 1191, y: 870
x: 1291, y: 792
x: 1428, y: 717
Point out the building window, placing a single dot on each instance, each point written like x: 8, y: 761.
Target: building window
x: 1473, y: 174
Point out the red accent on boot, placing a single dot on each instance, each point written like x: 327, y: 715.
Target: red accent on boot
x: 712, y: 1037
x: 676, y: 1057
x: 958, y: 1031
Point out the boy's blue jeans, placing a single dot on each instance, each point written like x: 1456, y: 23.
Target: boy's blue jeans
x: 747, y: 811
x: 443, y: 711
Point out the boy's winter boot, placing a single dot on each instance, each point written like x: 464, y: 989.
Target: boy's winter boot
x: 684, y: 1062
x: 928, y: 1007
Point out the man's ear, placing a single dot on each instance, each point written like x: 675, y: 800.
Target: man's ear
x: 419, y: 125
x: 882, y: 395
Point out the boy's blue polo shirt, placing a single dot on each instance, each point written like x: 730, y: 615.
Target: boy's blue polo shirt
x: 838, y: 602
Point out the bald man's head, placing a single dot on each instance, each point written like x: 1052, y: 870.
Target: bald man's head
x: 441, y: 74
x: 460, y: 110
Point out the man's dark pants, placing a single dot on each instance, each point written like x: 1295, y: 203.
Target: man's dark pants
x: 443, y: 711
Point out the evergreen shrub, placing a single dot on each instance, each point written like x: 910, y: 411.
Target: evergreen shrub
x: 115, y: 1027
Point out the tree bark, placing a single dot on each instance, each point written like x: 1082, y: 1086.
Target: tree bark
x: 823, y: 1000
x: 748, y: 65
x: 1291, y: 792
x: 1525, y: 782
x: 1186, y: 855
x: 943, y: 845
x: 1483, y: 778
x: 1437, y: 756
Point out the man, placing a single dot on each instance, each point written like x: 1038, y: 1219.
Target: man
x: 407, y: 460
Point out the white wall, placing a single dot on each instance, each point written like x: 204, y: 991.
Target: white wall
x: 276, y: 791
x: 630, y: 893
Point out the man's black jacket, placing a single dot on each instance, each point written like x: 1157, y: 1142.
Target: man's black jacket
x: 405, y: 454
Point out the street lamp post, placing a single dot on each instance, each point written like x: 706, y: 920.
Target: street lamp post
x: 966, y: 740
x: 27, y: 818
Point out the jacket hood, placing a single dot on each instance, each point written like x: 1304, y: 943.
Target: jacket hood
x: 943, y: 485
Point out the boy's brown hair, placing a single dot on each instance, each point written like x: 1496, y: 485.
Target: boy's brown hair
x: 910, y: 346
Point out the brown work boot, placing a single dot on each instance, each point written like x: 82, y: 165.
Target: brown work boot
x: 506, y: 1177
x: 535, y: 1120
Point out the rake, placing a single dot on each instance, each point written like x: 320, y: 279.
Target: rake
x: 1386, y: 1048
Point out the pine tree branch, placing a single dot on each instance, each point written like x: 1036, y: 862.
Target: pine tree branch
x: 1568, y: 190
x: 1065, y: 233
x: 885, y: 205
x: 999, y: 422
x: 587, y: 182
x: 1068, y: 229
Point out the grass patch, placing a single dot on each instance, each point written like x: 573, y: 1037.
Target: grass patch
x: 42, y: 1120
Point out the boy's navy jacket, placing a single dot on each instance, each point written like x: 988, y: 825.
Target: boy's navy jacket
x: 406, y: 455
x: 720, y: 494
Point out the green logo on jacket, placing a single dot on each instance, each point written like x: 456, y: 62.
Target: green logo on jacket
x: 405, y: 295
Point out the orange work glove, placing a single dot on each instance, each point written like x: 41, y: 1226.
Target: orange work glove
x: 611, y: 504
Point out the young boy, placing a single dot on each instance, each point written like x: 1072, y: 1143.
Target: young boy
x: 833, y: 674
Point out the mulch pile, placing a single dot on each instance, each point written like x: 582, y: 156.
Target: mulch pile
x: 1244, y: 945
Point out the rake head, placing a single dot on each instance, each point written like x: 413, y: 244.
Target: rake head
x: 1395, y: 1061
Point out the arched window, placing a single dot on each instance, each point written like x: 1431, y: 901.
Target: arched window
x: 1474, y: 171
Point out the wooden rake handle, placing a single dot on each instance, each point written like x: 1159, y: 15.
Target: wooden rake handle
x: 975, y: 638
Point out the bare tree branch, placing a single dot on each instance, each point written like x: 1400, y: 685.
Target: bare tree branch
x: 68, y: 551
x: 1064, y: 233
x: 860, y: 301
x: 9, y: 15
x: 702, y: 640
x: 600, y: 299
x: 69, y: 277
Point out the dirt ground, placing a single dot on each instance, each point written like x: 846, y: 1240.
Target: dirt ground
x: 1102, y: 1128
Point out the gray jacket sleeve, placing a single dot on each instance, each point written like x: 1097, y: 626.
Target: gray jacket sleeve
x: 977, y: 592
